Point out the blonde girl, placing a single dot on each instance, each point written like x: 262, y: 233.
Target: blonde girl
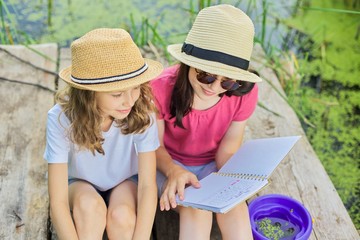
x: 101, y: 141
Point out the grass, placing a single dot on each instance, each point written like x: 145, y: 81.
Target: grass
x: 7, y: 32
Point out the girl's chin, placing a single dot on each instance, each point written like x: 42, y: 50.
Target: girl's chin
x: 120, y: 116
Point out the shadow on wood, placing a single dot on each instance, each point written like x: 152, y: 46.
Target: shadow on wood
x: 166, y: 226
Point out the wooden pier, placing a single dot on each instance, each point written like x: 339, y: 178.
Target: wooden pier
x: 27, y: 93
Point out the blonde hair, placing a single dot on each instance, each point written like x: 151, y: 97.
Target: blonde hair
x: 80, y: 107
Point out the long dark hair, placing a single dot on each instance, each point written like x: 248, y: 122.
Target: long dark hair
x: 182, y: 96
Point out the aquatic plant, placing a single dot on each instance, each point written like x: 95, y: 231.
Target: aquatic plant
x: 326, y: 91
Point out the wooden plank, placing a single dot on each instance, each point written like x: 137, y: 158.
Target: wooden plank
x: 23, y: 184
x: 65, y: 61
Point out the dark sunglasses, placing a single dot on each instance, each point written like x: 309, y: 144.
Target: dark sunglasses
x: 207, y: 78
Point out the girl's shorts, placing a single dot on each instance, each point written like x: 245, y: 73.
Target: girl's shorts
x: 104, y: 194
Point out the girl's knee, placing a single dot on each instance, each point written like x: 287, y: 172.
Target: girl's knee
x: 194, y: 214
x: 122, y: 216
x: 88, y: 205
x: 194, y: 224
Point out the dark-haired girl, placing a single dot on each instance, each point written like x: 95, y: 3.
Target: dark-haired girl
x: 204, y: 103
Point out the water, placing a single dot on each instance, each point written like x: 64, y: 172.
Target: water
x: 62, y: 21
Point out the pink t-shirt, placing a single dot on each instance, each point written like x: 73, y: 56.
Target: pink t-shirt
x: 204, y: 129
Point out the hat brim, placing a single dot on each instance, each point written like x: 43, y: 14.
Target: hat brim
x: 154, y: 69
x: 211, y: 66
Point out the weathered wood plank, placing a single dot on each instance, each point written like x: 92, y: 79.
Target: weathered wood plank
x: 23, y: 185
x: 65, y: 61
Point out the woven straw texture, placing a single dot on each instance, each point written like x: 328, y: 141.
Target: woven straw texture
x: 223, y: 28
x: 107, y: 55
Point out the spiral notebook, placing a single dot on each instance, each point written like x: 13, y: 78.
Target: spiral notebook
x: 243, y: 175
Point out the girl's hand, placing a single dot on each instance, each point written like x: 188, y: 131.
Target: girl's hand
x: 178, y: 179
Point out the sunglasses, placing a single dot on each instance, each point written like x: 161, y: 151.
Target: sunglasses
x: 207, y: 78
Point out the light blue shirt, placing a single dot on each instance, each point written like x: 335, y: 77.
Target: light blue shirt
x: 103, y: 171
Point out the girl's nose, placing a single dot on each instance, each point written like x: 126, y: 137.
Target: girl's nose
x: 216, y: 84
x: 128, y: 99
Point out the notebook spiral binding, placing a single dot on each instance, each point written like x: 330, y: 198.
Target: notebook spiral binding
x: 243, y: 176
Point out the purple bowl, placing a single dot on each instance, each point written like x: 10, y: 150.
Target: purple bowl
x: 279, y: 217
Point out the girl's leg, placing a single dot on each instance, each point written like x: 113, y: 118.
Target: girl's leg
x: 194, y: 224
x: 235, y: 224
x: 89, y: 210
x: 121, y: 216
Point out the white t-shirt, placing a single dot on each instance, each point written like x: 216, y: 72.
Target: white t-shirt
x: 103, y: 171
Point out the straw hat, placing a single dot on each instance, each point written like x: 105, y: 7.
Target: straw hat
x: 220, y: 42
x: 106, y: 60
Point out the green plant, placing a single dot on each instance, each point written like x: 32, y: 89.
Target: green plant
x: 270, y: 230
x: 145, y: 33
x: 275, y: 229
x: 7, y: 31
x: 327, y: 93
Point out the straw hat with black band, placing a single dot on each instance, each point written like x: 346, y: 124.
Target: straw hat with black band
x: 220, y: 42
x: 106, y: 60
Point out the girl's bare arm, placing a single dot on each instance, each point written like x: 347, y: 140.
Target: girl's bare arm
x: 147, y: 195
x: 59, y: 203
x: 230, y: 143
